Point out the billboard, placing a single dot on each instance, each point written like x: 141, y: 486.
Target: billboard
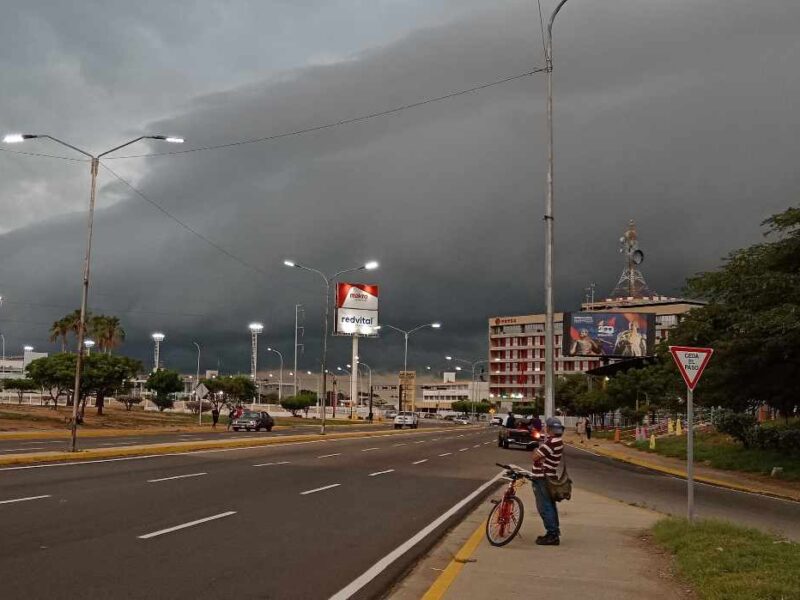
x: 612, y: 334
x: 356, y: 309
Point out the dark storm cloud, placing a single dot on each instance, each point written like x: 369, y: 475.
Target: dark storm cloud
x: 673, y: 114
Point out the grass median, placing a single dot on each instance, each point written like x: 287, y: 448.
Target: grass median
x: 726, y: 562
x: 721, y: 452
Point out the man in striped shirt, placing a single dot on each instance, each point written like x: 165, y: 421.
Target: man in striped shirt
x: 546, y: 459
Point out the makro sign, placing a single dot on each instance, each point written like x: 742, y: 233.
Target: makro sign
x: 356, y: 309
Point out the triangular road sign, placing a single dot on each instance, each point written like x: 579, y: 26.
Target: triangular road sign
x: 691, y: 362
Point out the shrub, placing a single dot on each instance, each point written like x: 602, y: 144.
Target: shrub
x: 790, y: 441
x: 740, y: 426
x: 129, y: 401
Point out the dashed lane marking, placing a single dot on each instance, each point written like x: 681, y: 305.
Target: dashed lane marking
x: 419, y: 462
x: 330, y: 455
x: 369, y: 449
x: 463, y: 449
x: 176, y: 477
x: 147, y: 536
x: 13, y: 500
x: 269, y: 464
x: 381, y: 472
x: 320, y: 489
x: 446, y: 454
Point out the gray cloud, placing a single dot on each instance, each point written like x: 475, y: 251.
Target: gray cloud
x: 676, y: 115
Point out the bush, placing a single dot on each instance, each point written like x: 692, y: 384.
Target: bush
x: 790, y: 441
x: 768, y: 438
x: 129, y: 401
x: 163, y: 401
x: 740, y: 426
x: 194, y: 405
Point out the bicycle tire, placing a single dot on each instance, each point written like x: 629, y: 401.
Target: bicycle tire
x: 507, y: 532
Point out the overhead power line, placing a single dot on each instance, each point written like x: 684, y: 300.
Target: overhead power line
x: 40, y: 155
x: 187, y: 227
x: 339, y: 123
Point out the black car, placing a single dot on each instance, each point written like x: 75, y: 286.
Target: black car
x: 256, y: 420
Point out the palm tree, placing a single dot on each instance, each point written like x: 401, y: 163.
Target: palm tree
x: 73, y: 321
x: 60, y: 330
x: 107, y: 331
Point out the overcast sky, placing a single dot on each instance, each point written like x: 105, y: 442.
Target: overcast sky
x: 676, y: 113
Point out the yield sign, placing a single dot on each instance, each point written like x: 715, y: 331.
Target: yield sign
x: 691, y: 362
x: 201, y: 391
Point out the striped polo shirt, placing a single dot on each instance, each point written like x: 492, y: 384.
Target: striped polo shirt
x: 551, y: 450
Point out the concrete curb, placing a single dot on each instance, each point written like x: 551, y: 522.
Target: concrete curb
x: 439, y: 587
x: 681, y: 474
x: 181, y: 447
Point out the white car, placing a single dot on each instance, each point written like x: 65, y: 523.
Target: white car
x: 496, y: 421
x: 461, y: 421
x: 406, y: 419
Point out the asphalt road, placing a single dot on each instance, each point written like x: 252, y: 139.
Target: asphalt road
x: 34, y: 445
x: 300, y: 520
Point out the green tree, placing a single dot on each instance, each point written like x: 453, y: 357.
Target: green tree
x: 299, y: 402
x: 752, y: 322
x: 568, y: 388
x: 20, y: 385
x: 468, y: 407
x: 164, y: 383
x: 59, y: 332
x: 56, y: 374
x: 104, y: 374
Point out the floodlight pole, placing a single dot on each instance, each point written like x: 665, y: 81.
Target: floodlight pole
x: 549, y: 346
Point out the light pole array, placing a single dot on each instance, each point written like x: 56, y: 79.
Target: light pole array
x: 89, y: 344
x: 158, y: 337
x: 15, y: 138
x: 328, y: 279
x: 280, y: 380
x: 255, y: 329
x: 549, y: 346
x: 406, y: 335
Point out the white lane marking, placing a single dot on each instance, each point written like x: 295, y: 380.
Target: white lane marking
x: 487, y: 443
x: 381, y: 472
x: 147, y: 536
x: 460, y: 435
x: 368, y: 449
x: 379, y: 567
x: 283, y: 462
x: 420, y: 442
x: 463, y: 449
x: 176, y: 477
x: 419, y: 462
x: 434, y: 439
x: 320, y: 489
x: 400, y: 444
x: 23, y: 449
x: 119, y: 444
x: 446, y: 454
x: 44, y: 442
x: 24, y: 499
x: 329, y: 455
x: 477, y: 446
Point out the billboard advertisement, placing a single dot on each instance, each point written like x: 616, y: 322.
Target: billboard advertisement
x: 356, y: 309
x: 612, y: 334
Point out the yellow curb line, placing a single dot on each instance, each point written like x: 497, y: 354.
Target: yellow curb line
x: 182, y: 447
x: 682, y: 474
x: 439, y: 587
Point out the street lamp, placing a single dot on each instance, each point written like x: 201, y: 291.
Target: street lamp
x: 88, y: 344
x: 406, y: 334
x: 255, y: 329
x: 280, y: 381
x: 196, y: 383
x: 549, y: 347
x: 157, y: 339
x: 349, y: 387
x: 15, y: 138
x: 369, y: 369
x: 368, y: 266
x: 472, y: 364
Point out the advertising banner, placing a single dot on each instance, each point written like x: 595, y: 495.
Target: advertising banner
x: 612, y: 334
x: 356, y: 309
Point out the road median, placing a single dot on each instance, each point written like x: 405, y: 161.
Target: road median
x: 185, y: 447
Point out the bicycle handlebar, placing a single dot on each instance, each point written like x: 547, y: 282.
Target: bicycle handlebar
x: 507, y: 467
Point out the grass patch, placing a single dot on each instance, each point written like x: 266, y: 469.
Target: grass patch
x: 726, y: 562
x: 721, y: 452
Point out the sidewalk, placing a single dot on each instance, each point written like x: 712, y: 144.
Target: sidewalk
x: 737, y: 480
x: 602, y: 556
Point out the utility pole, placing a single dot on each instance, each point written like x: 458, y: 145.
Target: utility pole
x: 298, y: 309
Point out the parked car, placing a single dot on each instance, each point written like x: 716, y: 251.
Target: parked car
x: 496, y: 421
x: 255, y: 420
x: 391, y: 414
x: 461, y: 421
x: 521, y: 435
x: 406, y: 419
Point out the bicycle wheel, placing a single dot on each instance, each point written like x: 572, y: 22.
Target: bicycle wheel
x: 504, y: 521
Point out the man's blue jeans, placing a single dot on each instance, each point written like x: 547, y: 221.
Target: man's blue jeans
x: 546, y: 507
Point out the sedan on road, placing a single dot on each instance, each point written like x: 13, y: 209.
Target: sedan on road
x: 253, y: 420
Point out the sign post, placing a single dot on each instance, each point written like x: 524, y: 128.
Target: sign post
x: 691, y: 363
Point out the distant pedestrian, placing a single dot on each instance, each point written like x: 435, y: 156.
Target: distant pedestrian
x: 580, y: 428
x: 537, y: 424
x: 231, y: 416
x: 511, y: 421
x: 546, y: 459
x: 214, y: 417
x: 588, y: 429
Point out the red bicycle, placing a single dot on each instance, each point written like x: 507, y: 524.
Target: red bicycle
x: 507, y: 514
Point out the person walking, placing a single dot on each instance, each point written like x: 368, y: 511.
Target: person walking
x: 588, y: 429
x: 214, y: 417
x: 510, y: 420
x: 546, y: 459
x: 537, y: 423
x: 231, y: 416
x: 580, y: 428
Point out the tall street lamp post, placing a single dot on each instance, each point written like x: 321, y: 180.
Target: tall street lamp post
x: 15, y: 138
x: 255, y: 330
x: 549, y: 347
x: 369, y: 369
x: 328, y: 280
x: 89, y: 344
x: 196, y: 383
x: 158, y: 337
x: 349, y: 387
x: 406, y: 335
x: 280, y: 378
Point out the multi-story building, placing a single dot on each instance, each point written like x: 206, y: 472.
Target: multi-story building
x: 516, y: 344
x: 440, y: 396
